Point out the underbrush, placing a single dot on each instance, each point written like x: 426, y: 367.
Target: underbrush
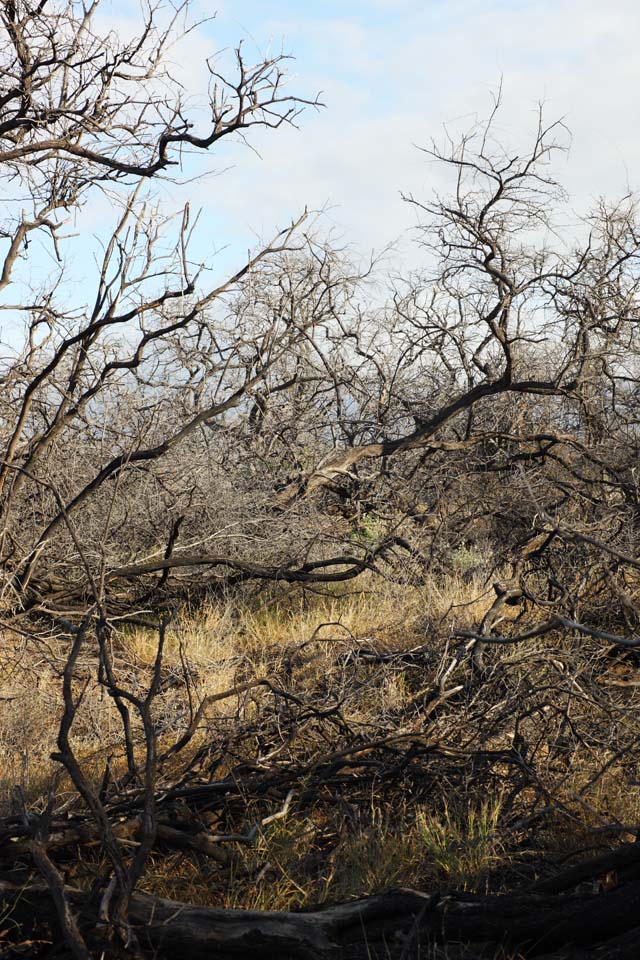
x: 374, y: 756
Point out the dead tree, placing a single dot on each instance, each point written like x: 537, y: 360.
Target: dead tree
x: 171, y: 436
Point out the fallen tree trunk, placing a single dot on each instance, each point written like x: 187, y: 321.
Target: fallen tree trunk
x: 65, y: 843
x: 387, y: 925
x: 621, y: 859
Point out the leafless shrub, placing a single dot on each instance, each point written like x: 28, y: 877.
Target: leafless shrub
x: 474, y: 431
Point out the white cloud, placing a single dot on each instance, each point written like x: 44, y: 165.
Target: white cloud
x: 391, y: 74
x: 391, y: 82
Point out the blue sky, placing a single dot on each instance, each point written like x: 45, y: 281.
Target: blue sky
x: 392, y: 73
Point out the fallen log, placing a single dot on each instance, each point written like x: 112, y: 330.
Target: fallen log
x: 598, y: 926
x: 66, y: 840
x: 623, y: 857
x: 64, y: 843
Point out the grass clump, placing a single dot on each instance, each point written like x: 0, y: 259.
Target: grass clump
x: 461, y: 845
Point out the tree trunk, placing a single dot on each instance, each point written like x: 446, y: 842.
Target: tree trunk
x: 598, y: 926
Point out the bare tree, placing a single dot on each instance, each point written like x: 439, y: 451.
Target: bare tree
x: 172, y: 437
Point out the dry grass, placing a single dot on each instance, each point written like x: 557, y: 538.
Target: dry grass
x: 462, y: 846
x: 314, y: 858
x: 455, y: 834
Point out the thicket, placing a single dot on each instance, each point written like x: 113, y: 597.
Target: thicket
x: 314, y: 584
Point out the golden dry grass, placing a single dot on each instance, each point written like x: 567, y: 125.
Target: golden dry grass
x: 313, y: 855
x: 312, y: 859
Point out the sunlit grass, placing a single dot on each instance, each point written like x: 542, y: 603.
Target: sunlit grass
x: 461, y: 843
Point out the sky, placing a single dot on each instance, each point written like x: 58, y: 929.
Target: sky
x: 393, y: 74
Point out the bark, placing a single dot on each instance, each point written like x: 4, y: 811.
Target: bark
x: 553, y: 927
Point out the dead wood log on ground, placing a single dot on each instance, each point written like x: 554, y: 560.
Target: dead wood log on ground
x: 554, y: 927
x: 66, y: 843
x: 622, y: 859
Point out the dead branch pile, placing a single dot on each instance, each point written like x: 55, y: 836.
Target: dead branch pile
x: 167, y: 438
x: 295, y: 746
